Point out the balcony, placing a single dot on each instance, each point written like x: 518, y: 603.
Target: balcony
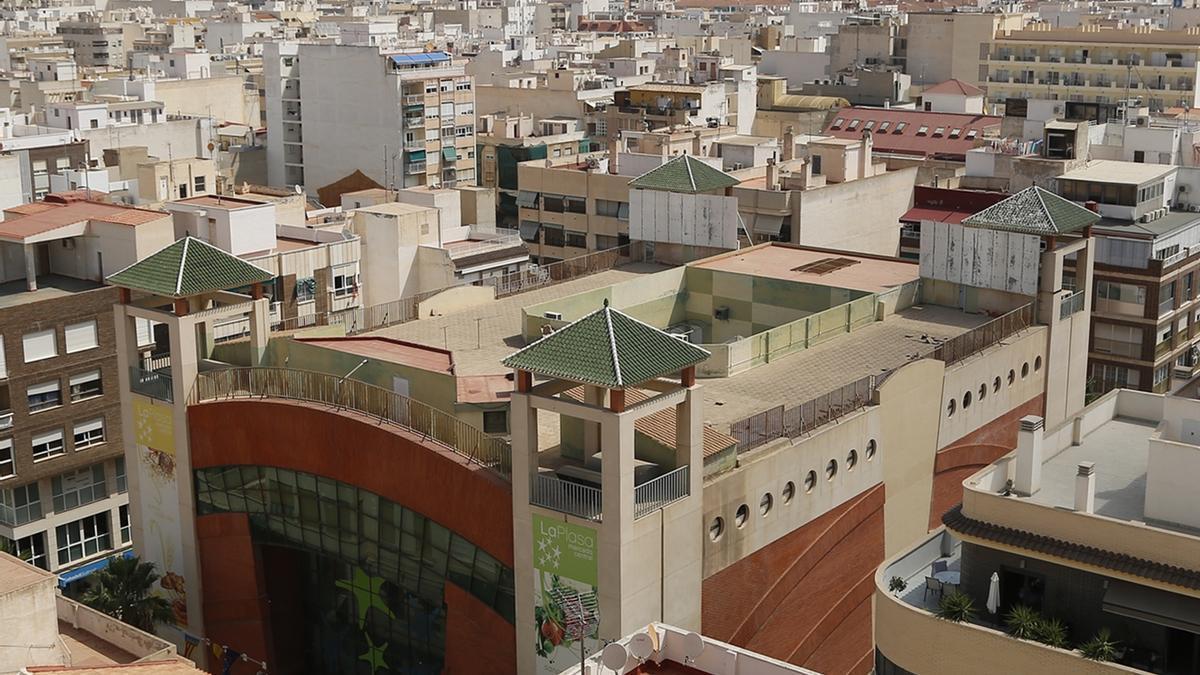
x: 150, y: 383
x: 585, y: 501
x: 1071, y: 305
x: 6, y: 419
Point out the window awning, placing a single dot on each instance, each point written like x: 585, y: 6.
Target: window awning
x: 1152, y: 605
x: 768, y: 224
x: 85, y: 570
x: 450, y: 154
x: 529, y: 229
x: 416, y: 155
x: 527, y: 199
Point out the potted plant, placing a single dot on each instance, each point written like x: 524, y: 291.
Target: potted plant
x: 897, y: 586
x: 1051, y: 632
x: 1101, y: 647
x: 1022, y: 622
x: 956, y: 606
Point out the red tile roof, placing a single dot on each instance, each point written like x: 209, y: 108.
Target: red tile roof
x: 39, y: 218
x: 953, y: 86
x: 389, y: 350
x: 898, y: 131
x: 946, y: 205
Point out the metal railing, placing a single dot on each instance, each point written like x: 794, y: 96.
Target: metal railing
x: 382, y: 404
x: 661, y: 492
x: 780, y: 422
x: 1071, y: 305
x: 156, y: 361
x: 974, y: 341
x: 558, y: 272
x: 563, y: 496
x: 150, y: 383
x: 6, y: 419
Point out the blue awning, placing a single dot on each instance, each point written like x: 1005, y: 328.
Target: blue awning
x: 85, y: 570
x: 420, y: 59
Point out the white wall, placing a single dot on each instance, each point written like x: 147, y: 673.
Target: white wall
x: 979, y: 257
x: 693, y: 220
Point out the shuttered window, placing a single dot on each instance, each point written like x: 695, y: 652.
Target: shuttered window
x: 81, y: 336
x: 39, y: 345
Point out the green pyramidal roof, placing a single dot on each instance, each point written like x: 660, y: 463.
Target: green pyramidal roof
x: 1034, y: 211
x: 684, y: 174
x: 607, y: 348
x: 189, y: 267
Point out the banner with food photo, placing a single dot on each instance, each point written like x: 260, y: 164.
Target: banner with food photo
x: 564, y: 562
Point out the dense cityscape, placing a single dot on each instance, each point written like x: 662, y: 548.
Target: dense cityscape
x: 588, y: 337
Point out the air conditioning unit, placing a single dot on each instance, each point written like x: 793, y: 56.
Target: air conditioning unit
x: 721, y: 313
x: 553, y: 316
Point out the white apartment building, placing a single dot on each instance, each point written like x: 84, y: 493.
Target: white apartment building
x: 400, y: 119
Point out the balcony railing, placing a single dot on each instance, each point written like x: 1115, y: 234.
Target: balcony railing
x: 585, y: 501
x: 1071, y: 305
x: 958, y: 348
x: 563, y: 496
x: 6, y: 419
x: 150, y: 383
x: 661, y: 492
x: 387, y: 406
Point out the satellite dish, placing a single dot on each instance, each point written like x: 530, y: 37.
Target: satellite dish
x: 640, y: 646
x: 693, y: 645
x: 614, y: 657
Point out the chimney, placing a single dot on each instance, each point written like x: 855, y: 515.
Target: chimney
x: 772, y: 174
x: 1092, y: 206
x: 1028, y: 478
x: 696, y: 144
x: 789, y: 144
x: 865, y: 158
x: 1085, y: 487
x: 614, y: 149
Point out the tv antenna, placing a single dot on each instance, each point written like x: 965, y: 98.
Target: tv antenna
x: 581, y: 616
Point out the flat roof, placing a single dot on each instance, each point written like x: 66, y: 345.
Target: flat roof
x: 1113, y: 171
x: 49, y: 287
x: 1121, y: 449
x: 484, y: 388
x: 1173, y: 221
x: 395, y: 208
x: 390, y: 350
x: 774, y: 261
x: 219, y: 201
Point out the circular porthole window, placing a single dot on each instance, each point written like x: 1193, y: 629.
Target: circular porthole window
x: 789, y: 491
x: 871, y: 447
x: 966, y: 400
x: 742, y: 515
x: 851, y: 460
x: 831, y: 469
x: 810, y: 481
x: 951, y: 407
x: 716, y: 528
x: 1025, y: 370
x: 1012, y: 377
x: 996, y: 385
x: 982, y: 391
x: 765, y: 504
x: 1037, y: 363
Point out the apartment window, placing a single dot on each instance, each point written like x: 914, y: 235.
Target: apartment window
x: 854, y: 124
x: 47, y: 445
x: 85, y: 385
x: 1121, y: 293
x: 431, y: 112
x: 44, y: 396
x: 198, y: 184
x: 306, y: 289
x: 123, y: 517
x: 922, y: 130
x: 31, y: 549
x: 1118, y: 339
x: 552, y: 235
x: 431, y: 87
x: 900, y: 127
x: 883, y: 126
x: 20, y: 505
x: 462, y: 85
x: 446, y: 85
x: 575, y: 239
x: 605, y: 242
x: 1166, y: 252
x: 345, y: 282
x: 119, y: 465
x: 79, y: 487
x: 575, y: 204
x: 83, y: 538
x: 1161, y: 374
x: 8, y: 467
x: 869, y: 125
x: 553, y: 203
x: 1166, y: 298
x: 81, y: 336
x: 939, y: 132
x: 837, y: 124
x: 89, y: 433
x: 495, y: 422
x: 1139, y: 156
x: 39, y: 345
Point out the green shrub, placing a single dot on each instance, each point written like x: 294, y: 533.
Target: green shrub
x: 897, y: 585
x: 1051, y: 632
x: 1101, y: 647
x: 1022, y: 622
x: 956, y: 606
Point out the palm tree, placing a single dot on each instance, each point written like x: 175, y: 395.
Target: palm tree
x: 123, y: 591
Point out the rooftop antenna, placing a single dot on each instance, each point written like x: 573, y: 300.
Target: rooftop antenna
x: 581, y: 617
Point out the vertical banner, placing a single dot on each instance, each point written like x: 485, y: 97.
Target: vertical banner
x: 158, y: 495
x: 564, y: 559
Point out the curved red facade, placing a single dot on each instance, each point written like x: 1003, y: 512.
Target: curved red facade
x: 358, y: 450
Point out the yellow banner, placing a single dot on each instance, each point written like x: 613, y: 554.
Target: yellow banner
x: 153, y: 425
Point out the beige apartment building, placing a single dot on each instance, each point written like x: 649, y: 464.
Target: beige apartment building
x: 568, y: 210
x: 1090, y: 521
x: 1094, y: 64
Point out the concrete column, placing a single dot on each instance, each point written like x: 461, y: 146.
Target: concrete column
x: 1028, y: 477
x: 260, y: 330
x: 30, y: 267
x: 689, y: 432
x: 591, y: 430
x: 616, y: 479
x: 523, y: 418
